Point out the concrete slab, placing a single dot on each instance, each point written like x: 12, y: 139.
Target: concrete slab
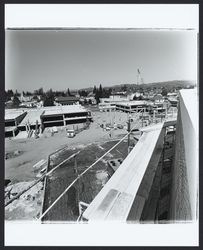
x: 31, y: 117
x: 11, y: 114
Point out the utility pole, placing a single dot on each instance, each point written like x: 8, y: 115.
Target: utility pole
x: 142, y: 118
x: 128, y: 129
x: 78, y: 182
x: 154, y: 116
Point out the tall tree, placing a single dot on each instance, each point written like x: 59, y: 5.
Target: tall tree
x: 16, y: 93
x: 28, y: 93
x: 49, y: 98
x: 35, y: 98
x: 16, y: 101
x: 97, y: 96
x: 164, y: 91
x: 94, y: 89
x: 100, y: 89
x: 83, y: 93
x: 124, y: 88
x: 110, y: 91
x: 9, y: 94
x: 39, y: 91
x: 68, y: 92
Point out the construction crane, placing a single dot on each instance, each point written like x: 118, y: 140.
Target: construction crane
x: 140, y: 80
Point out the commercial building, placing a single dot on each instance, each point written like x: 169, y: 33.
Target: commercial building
x: 107, y: 104
x: 67, y: 100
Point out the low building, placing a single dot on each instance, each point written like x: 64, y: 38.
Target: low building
x: 29, y: 104
x: 107, y: 104
x: 91, y: 100
x: 172, y: 94
x: 67, y: 100
x: 133, y: 106
x: 64, y: 115
x: 135, y: 95
x: 173, y: 101
x: 158, y: 98
x: 13, y: 118
x: 24, y: 98
x: 40, y: 118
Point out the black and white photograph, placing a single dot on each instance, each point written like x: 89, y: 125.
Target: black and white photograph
x: 101, y: 125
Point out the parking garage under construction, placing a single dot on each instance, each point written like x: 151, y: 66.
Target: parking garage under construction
x: 154, y: 180
x: 30, y: 119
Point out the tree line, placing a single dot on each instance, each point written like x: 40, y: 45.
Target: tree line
x: 38, y: 95
x: 99, y: 92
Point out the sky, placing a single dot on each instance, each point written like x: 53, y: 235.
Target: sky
x: 77, y: 59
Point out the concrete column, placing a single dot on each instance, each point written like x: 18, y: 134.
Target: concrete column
x: 64, y: 122
x: 26, y: 128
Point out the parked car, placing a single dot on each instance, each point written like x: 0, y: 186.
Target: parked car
x: 70, y: 133
x: 120, y: 126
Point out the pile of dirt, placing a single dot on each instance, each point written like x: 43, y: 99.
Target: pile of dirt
x: 28, y: 205
x: 13, y: 154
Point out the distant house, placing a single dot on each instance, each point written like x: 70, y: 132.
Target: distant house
x: 24, y: 98
x: 158, y: 98
x: 135, y: 95
x: 28, y: 104
x: 91, y: 94
x: 91, y: 98
x: 68, y: 100
x: 172, y: 94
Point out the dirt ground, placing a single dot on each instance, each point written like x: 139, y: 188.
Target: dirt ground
x: 28, y: 206
x: 20, y: 167
x: 87, y: 188
x: 23, y: 154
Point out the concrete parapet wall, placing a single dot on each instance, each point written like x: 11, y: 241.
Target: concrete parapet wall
x: 185, y: 170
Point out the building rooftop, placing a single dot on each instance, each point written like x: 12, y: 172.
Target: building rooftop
x: 32, y: 116
x: 66, y: 98
x: 11, y: 114
x: 10, y: 129
x: 114, y: 98
x: 56, y: 110
x: 131, y: 103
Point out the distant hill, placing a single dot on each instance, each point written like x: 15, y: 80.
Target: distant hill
x: 176, y: 84
x: 169, y: 85
x: 173, y: 84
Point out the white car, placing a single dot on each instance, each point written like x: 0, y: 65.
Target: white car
x: 70, y: 133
